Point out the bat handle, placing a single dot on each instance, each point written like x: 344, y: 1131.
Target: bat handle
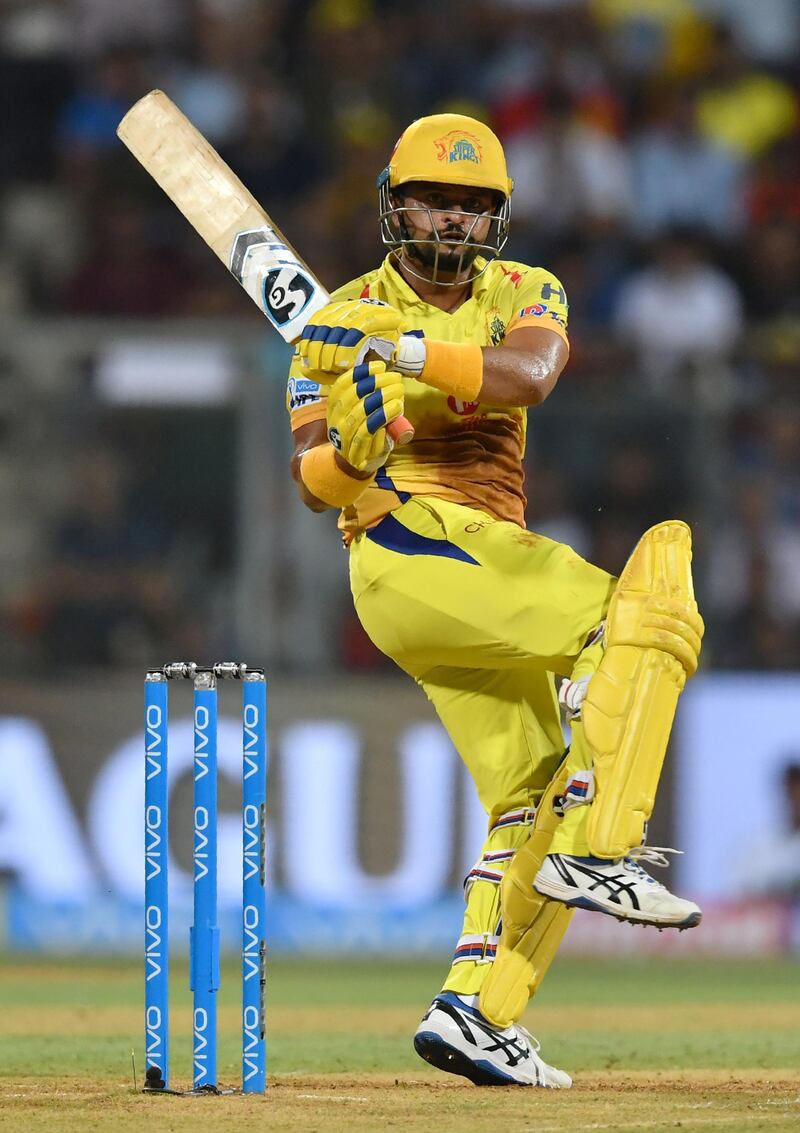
x: 400, y: 430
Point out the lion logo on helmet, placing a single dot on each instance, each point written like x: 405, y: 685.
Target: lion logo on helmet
x: 458, y: 146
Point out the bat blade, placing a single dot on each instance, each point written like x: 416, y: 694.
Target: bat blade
x: 223, y: 212
x: 229, y: 218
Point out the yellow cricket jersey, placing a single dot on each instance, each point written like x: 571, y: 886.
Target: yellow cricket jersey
x: 465, y: 452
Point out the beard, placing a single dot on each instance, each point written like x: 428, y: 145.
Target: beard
x: 447, y: 262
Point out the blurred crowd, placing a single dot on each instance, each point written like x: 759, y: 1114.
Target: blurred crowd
x: 655, y: 148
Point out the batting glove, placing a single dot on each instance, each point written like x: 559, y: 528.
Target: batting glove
x: 361, y: 403
x: 340, y: 336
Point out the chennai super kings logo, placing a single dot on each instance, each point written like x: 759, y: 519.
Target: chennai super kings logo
x: 456, y: 146
x: 497, y: 330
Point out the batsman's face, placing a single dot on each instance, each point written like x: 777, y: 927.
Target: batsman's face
x: 448, y: 219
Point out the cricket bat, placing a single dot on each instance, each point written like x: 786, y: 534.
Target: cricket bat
x: 229, y: 219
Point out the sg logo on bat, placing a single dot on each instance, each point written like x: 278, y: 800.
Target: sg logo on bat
x: 286, y: 292
x: 262, y: 264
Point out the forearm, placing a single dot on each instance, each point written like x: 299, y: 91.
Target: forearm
x: 517, y: 378
x: 310, y: 500
x: 337, y: 480
x: 521, y: 372
x: 307, y: 437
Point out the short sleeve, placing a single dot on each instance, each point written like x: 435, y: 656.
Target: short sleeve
x: 541, y: 301
x: 305, y: 399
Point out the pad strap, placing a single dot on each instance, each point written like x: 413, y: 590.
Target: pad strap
x: 580, y: 791
x: 487, y: 868
x: 325, y: 479
x: 481, y: 948
x: 522, y: 817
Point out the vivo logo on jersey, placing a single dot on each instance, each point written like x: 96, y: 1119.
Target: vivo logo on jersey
x: 302, y: 391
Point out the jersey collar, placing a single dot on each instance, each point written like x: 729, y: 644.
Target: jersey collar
x: 396, y: 285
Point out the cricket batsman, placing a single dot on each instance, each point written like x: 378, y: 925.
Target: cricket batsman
x: 502, y: 628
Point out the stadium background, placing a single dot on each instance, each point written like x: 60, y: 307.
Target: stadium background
x: 145, y: 502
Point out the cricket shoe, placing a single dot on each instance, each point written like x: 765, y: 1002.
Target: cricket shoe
x: 455, y: 1037
x: 620, y: 888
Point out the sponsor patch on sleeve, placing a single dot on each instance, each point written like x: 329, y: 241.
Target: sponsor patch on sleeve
x: 535, y: 309
x: 302, y: 391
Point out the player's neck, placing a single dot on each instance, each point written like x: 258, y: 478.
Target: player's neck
x: 447, y: 299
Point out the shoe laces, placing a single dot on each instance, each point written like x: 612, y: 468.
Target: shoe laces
x: 652, y: 855
x: 532, y: 1041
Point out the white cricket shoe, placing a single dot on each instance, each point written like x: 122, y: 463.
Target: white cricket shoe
x: 620, y: 888
x: 455, y: 1037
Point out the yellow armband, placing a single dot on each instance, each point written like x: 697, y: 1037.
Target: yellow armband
x: 325, y: 479
x: 454, y: 368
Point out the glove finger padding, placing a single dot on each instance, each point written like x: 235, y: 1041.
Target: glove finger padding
x: 372, y: 396
x: 371, y: 443
x: 361, y: 403
x: 335, y: 338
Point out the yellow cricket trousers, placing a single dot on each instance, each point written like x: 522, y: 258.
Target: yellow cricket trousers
x: 483, y: 614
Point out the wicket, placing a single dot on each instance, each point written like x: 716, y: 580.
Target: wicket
x: 204, y: 942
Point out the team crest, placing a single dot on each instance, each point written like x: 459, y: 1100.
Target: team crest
x: 497, y: 330
x: 457, y: 146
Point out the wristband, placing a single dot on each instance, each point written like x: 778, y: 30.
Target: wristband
x: 455, y: 368
x: 325, y: 479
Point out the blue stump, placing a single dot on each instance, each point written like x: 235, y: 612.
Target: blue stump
x: 204, y: 934
x: 156, y: 884
x: 254, y: 906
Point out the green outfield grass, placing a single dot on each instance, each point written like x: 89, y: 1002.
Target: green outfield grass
x: 707, y: 1044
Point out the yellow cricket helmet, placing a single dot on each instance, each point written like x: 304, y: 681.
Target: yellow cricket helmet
x: 450, y: 148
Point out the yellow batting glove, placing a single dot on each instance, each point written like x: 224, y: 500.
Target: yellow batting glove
x: 340, y: 336
x: 361, y: 403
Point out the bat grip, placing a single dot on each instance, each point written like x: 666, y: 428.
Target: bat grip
x: 400, y: 430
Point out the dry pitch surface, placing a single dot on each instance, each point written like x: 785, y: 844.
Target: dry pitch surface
x: 652, y: 1045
